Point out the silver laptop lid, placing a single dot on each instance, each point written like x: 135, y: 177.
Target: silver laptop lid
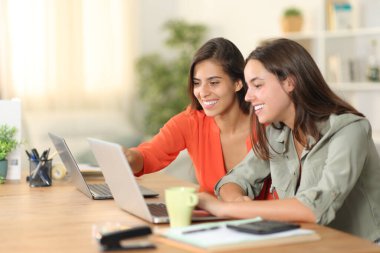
x: 119, y: 177
x: 70, y: 164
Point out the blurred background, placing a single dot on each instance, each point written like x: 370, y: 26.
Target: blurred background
x: 117, y: 69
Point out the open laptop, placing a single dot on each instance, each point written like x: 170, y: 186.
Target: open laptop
x: 118, y: 175
x: 94, y: 191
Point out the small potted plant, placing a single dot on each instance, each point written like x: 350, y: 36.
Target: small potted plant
x: 8, y: 143
x: 292, y: 20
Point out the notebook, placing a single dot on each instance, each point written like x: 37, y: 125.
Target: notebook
x: 218, y: 237
x: 118, y: 174
x: 94, y: 191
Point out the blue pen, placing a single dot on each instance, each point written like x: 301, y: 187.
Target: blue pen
x: 35, y: 154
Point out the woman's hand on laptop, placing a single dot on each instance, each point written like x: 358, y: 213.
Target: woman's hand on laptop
x: 135, y: 159
x: 220, y: 208
x: 209, y: 203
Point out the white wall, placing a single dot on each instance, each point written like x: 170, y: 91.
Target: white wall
x: 245, y: 22
x: 242, y: 21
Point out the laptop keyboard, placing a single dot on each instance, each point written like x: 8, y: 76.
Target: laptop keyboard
x: 158, y: 209
x: 104, y: 190
x: 100, y: 189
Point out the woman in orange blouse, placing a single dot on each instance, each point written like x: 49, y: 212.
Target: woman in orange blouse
x: 214, y: 129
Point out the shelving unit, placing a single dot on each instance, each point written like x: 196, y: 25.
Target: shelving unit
x: 342, y: 54
x: 347, y: 46
x: 342, y: 58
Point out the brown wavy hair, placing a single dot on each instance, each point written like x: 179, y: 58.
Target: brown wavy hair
x: 313, y: 99
x: 230, y: 58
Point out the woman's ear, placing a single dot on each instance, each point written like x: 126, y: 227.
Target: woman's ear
x: 289, y: 84
x: 238, y: 85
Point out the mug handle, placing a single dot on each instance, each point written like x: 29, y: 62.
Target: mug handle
x: 192, y: 200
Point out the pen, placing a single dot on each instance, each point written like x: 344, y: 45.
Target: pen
x: 52, y: 156
x: 28, y: 154
x: 37, y: 169
x: 45, y: 155
x: 35, y: 154
x: 200, y: 230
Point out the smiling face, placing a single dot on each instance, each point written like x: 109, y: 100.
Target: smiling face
x: 268, y: 96
x: 214, y: 89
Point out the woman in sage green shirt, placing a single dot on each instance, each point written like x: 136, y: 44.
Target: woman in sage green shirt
x: 317, y: 148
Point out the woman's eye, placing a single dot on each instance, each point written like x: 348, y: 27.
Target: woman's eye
x: 196, y: 84
x: 213, y: 83
x: 257, y: 86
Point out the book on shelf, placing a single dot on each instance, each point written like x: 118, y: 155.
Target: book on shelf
x: 341, y: 14
x: 217, y: 237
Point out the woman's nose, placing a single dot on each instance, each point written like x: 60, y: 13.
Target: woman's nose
x: 204, y: 90
x: 249, y: 96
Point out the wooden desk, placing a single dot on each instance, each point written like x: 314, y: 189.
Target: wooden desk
x: 61, y: 219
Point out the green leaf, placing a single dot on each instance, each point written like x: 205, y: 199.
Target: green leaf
x: 8, y: 140
x: 292, y: 11
x: 163, y: 82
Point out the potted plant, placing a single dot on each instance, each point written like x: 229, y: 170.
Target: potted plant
x: 163, y: 80
x: 292, y: 20
x: 8, y: 143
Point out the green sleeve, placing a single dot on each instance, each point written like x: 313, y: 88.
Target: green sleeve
x: 347, y: 152
x: 249, y: 174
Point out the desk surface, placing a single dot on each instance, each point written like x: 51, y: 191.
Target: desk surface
x: 61, y: 219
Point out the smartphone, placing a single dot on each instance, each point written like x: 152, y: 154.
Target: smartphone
x: 264, y: 227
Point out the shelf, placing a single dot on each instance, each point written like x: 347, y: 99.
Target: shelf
x: 302, y: 35
x: 356, y: 86
x: 352, y: 33
x: 333, y: 34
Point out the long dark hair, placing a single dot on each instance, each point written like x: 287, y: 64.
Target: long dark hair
x: 313, y: 99
x: 230, y: 58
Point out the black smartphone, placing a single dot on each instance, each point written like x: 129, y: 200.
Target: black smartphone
x: 264, y: 227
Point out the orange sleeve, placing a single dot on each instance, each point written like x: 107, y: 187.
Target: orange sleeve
x: 199, y: 134
x: 165, y: 146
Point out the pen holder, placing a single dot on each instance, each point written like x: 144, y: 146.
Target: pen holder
x: 40, y: 173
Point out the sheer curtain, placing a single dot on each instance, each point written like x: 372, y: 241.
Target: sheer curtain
x: 67, y: 54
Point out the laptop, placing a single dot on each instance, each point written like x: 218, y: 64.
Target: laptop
x: 118, y: 175
x: 94, y: 191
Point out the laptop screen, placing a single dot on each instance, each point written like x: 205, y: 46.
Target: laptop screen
x: 70, y: 164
